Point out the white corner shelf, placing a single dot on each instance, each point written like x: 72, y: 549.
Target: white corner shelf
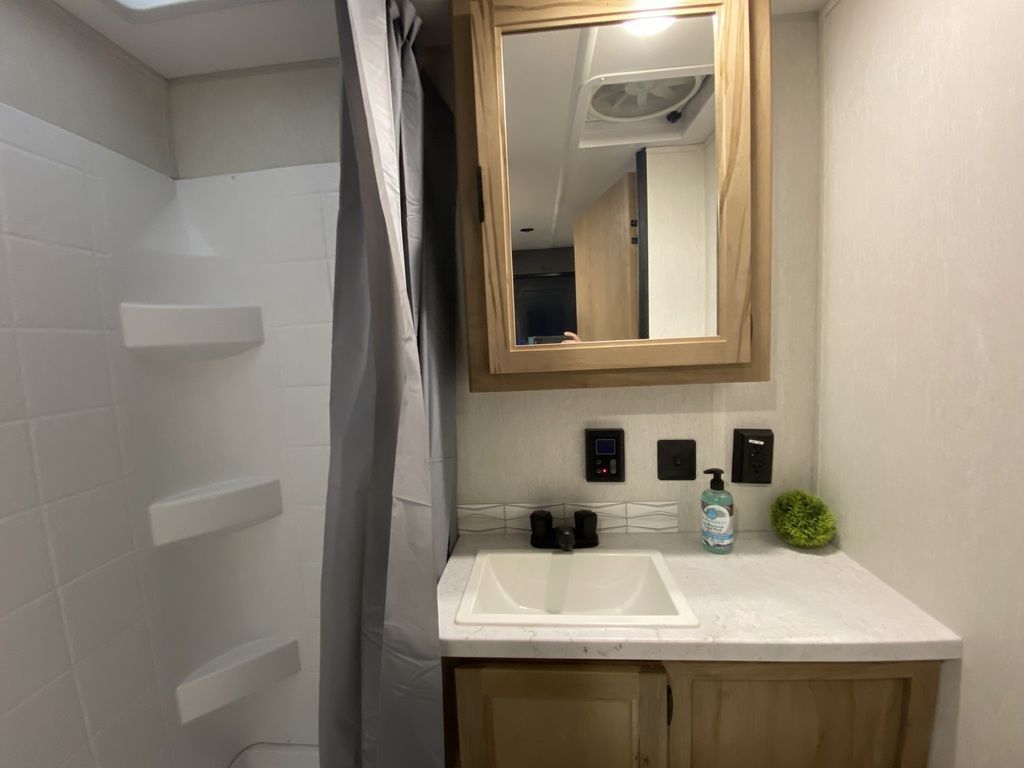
x: 198, y: 331
x: 236, y: 674
x: 226, y: 506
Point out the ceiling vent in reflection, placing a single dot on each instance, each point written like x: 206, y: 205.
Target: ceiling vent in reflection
x: 660, y: 106
x: 642, y: 99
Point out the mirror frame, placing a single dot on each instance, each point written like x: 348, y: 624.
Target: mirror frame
x: 741, y: 350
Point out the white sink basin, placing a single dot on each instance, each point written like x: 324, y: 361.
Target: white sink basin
x: 590, y: 588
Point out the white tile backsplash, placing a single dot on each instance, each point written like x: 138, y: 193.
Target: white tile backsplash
x: 32, y: 650
x: 64, y: 371
x: 101, y: 604
x: 76, y: 452
x: 612, y: 517
x: 53, y: 286
x: 44, y: 200
x: 24, y: 561
x: 481, y: 518
x: 517, y: 516
x: 652, y: 516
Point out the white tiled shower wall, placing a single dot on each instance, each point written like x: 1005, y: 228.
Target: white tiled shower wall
x: 96, y: 626
x: 78, y: 684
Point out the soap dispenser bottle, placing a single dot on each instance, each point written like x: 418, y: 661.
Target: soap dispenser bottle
x: 716, y: 519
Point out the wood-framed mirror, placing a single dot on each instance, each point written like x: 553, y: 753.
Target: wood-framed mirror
x: 614, y: 174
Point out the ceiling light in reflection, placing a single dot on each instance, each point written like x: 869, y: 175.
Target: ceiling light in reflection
x: 650, y: 25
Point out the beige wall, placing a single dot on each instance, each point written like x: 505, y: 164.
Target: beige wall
x: 922, y: 328
x: 529, y: 446
x: 58, y: 69
x: 249, y: 120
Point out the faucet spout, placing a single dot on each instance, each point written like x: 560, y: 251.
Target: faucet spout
x: 566, y: 539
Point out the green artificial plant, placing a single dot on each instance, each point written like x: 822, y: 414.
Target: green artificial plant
x: 803, y: 520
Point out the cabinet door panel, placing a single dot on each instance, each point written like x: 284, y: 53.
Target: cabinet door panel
x: 796, y: 724
x: 750, y: 715
x: 514, y: 716
x: 606, y: 265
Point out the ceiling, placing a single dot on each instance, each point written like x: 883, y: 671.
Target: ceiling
x: 797, y: 6
x: 231, y: 34
x: 238, y: 34
x: 552, y: 179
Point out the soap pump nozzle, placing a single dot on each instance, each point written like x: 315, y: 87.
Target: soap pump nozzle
x: 717, y: 484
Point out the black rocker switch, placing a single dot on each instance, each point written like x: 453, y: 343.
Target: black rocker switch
x: 606, y: 455
x: 677, y: 459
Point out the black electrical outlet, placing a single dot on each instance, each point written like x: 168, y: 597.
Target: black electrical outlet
x: 752, y: 451
x: 606, y: 455
x: 677, y: 459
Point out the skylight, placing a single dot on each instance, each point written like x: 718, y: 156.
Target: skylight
x: 154, y: 10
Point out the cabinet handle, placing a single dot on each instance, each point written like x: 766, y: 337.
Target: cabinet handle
x: 670, y: 705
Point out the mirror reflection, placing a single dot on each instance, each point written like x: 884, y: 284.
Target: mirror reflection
x: 613, y: 182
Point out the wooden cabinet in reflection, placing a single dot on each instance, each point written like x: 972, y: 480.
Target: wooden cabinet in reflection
x: 607, y: 290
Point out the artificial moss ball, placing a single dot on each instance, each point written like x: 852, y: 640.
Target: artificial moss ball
x: 803, y: 520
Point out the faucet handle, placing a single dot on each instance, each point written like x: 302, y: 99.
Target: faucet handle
x: 586, y: 524
x: 541, y: 524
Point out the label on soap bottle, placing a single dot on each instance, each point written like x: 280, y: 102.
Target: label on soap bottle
x: 716, y: 525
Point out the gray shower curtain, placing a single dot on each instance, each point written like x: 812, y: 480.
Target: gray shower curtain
x: 390, y: 499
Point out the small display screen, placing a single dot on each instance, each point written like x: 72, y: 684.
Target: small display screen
x: 604, y: 446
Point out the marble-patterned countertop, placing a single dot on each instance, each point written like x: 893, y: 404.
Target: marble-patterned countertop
x: 764, y: 602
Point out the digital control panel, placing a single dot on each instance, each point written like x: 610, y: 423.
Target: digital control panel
x: 606, y: 455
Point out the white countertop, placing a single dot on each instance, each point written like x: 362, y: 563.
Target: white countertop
x: 764, y: 602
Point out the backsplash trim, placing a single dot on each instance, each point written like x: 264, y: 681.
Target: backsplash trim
x: 612, y: 517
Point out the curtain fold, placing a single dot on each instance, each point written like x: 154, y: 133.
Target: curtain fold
x: 390, y: 499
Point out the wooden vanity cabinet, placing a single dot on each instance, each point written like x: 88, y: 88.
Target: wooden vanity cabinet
x: 692, y: 714
x: 556, y: 716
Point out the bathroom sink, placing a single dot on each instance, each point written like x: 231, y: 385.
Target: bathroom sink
x: 600, y: 588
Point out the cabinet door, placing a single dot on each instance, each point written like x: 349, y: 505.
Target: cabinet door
x: 802, y: 715
x: 605, y: 255
x: 538, y: 716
